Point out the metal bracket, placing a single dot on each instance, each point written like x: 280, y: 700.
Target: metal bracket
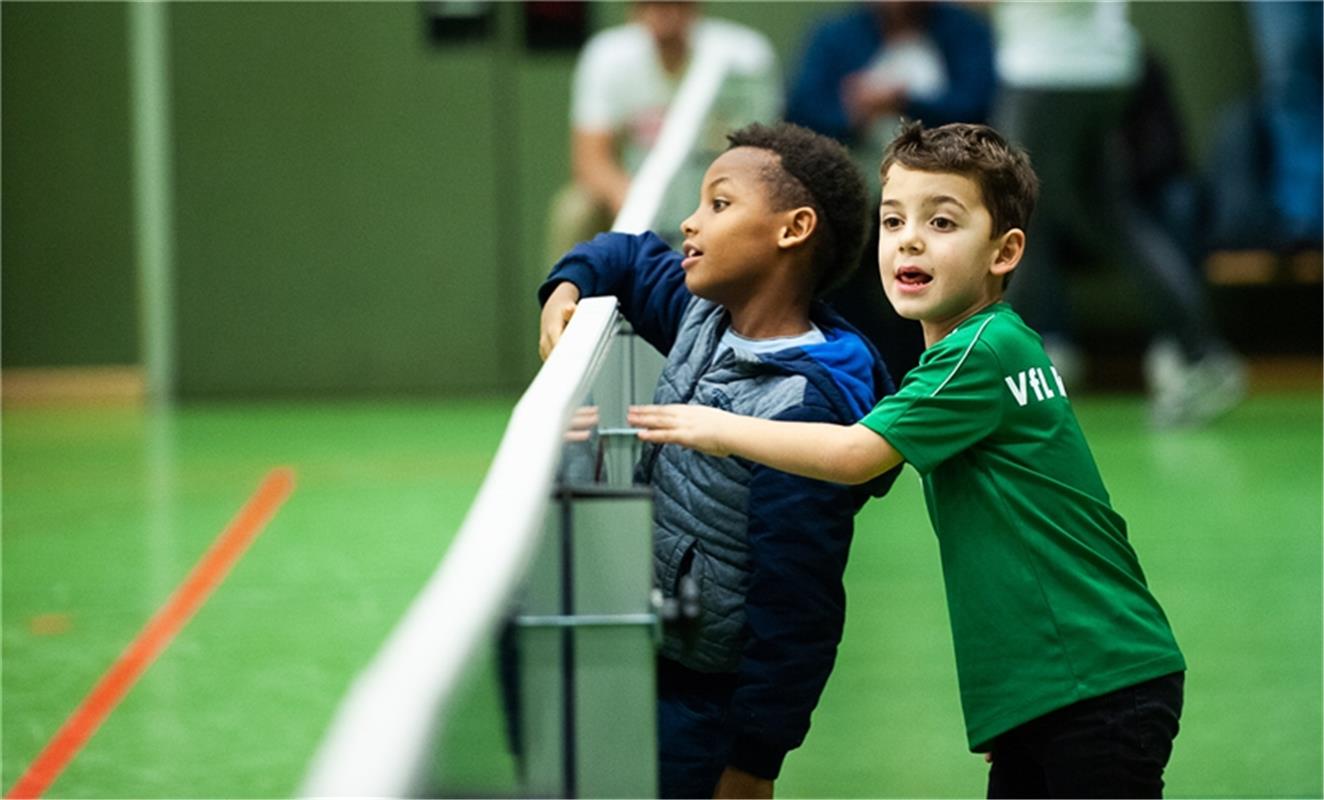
x: 585, y: 620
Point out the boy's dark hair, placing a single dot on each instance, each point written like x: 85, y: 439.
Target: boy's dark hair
x: 815, y: 171
x: 1006, y: 180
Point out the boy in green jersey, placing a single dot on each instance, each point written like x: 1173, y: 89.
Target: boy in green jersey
x: 1070, y: 677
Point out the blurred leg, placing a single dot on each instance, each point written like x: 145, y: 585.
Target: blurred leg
x: 1287, y: 40
x: 1192, y: 374
x: 1173, y: 283
x: 573, y: 217
x: 1046, y: 125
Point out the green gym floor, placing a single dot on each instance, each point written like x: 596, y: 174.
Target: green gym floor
x: 107, y: 511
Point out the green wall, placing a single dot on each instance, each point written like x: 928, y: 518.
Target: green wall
x: 358, y: 210
x: 66, y: 217
x: 337, y: 201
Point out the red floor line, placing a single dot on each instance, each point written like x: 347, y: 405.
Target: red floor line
x: 156, y: 635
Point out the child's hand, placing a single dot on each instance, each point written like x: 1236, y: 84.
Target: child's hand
x: 697, y: 427
x: 740, y: 784
x: 556, y: 314
x: 582, y: 423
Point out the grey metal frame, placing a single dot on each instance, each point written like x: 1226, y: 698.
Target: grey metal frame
x: 587, y: 646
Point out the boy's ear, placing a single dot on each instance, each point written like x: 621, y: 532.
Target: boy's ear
x: 798, y: 225
x: 1010, y: 248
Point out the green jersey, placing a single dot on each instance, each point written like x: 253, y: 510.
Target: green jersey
x: 1048, y: 603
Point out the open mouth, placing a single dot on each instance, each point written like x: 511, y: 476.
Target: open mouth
x: 912, y: 276
x: 691, y: 254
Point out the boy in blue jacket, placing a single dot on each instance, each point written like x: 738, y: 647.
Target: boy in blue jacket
x: 781, y: 218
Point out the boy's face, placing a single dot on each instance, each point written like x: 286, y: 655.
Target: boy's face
x: 937, y: 257
x: 732, y: 235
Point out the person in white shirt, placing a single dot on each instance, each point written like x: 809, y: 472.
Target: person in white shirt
x: 624, y: 82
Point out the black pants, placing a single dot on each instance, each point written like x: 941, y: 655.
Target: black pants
x: 1115, y: 745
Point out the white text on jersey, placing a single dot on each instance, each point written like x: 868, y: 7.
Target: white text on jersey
x: 1034, y: 380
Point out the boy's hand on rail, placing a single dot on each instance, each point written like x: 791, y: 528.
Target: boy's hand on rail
x: 697, y: 427
x: 556, y: 314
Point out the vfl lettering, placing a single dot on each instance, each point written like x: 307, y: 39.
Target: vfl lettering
x: 1034, y: 380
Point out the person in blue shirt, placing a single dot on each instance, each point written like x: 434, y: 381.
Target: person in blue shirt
x: 782, y: 217
x: 931, y: 62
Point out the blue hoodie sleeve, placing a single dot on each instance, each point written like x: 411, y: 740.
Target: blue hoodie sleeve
x: 799, y: 536
x: 640, y: 270
x: 966, y: 43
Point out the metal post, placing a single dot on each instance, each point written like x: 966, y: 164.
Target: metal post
x: 605, y: 717
x: 153, y: 198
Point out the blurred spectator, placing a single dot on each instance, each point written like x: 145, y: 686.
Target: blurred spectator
x: 860, y: 73
x: 1165, y: 184
x: 1264, y: 182
x: 1287, y: 45
x: 865, y: 69
x: 624, y: 82
x: 1068, y: 72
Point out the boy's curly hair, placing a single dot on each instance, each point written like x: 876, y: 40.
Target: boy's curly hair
x: 1007, y: 183
x: 815, y: 171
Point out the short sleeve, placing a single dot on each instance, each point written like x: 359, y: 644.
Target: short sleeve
x: 946, y: 404
x: 590, y: 96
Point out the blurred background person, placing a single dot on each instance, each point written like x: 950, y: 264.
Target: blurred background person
x: 1264, y: 182
x: 1287, y: 38
x: 1165, y: 183
x: 624, y: 82
x: 1068, y: 71
x: 861, y: 71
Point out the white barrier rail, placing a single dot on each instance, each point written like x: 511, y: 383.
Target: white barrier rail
x: 379, y: 743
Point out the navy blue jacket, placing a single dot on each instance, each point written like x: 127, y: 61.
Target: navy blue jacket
x: 767, y: 549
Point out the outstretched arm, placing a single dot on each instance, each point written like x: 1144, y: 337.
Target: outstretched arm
x: 850, y: 454
x: 640, y: 270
